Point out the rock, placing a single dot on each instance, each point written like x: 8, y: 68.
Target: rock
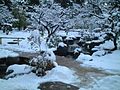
x: 9, y: 60
x: 61, y: 51
x: 12, y: 60
x: 3, y: 69
x: 57, y: 86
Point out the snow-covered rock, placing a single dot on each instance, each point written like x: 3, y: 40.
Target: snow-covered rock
x: 61, y: 73
x: 99, y: 53
x: 62, y: 44
x: 18, y: 69
x: 109, y: 45
x: 30, y: 81
x: 82, y: 57
x: 77, y: 50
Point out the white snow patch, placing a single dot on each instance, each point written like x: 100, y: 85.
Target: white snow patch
x: 50, y: 55
x: 24, y: 82
x: 99, y: 53
x: 109, y: 62
x: 62, y: 44
x: 31, y: 81
x: 107, y: 83
x: 61, y: 33
x: 19, y: 69
x: 82, y: 57
x: 63, y: 74
x: 7, y: 53
x: 107, y: 45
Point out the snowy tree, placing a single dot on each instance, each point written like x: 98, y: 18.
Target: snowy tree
x: 48, y: 19
x: 5, y: 15
x: 20, y: 18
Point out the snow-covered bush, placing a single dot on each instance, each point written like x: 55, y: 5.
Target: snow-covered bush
x: 54, y: 41
x: 43, y: 62
x: 5, y: 15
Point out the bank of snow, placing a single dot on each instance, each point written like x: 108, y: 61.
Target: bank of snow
x: 6, y: 53
x: 107, y: 83
x: 109, y: 62
x: 31, y: 81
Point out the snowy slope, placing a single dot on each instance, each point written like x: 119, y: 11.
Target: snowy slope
x: 109, y: 62
x: 31, y: 81
x: 107, y: 83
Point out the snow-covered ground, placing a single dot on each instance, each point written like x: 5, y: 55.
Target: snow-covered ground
x: 25, y: 45
x: 6, y: 53
x: 109, y: 62
x: 31, y: 81
x: 107, y: 83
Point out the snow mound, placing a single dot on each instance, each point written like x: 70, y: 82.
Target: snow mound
x: 61, y: 73
x: 82, y: 57
x: 30, y: 81
x: 50, y: 55
x: 99, y: 53
x: 109, y: 62
x: 18, y: 69
x: 24, y: 82
x: 7, y: 53
x: 107, y: 45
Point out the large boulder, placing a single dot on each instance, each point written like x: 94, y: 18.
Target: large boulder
x: 57, y: 86
x: 61, y: 49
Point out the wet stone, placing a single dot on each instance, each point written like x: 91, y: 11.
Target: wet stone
x: 57, y: 86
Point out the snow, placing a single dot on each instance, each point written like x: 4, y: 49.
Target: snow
x: 20, y: 34
x: 24, y: 44
x: 63, y: 74
x: 77, y: 50
x: 107, y: 45
x: 109, y: 62
x: 82, y: 57
x: 118, y: 43
x: 73, y: 34
x: 43, y: 46
x: 61, y: 44
x: 61, y: 33
x: 50, y: 55
x: 107, y: 83
x: 6, y: 53
x: 24, y: 82
x: 31, y: 81
x: 99, y: 53
x: 19, y: 69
